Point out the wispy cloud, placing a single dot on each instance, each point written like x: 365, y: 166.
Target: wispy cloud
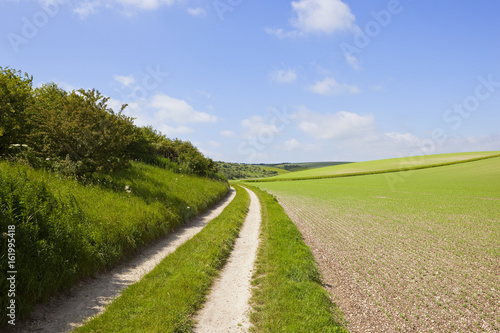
x: 352, y: 61
x: 296, y: 145
x: 330, y: 86
x: 284, y: 76
x: 256, y: 125
x: 228, y: 134
x: 318, y: 17
x: 178, y: 111
x: 87, y: 8
x: 90, y: 7
x: 197, y: 12
x: 125, y: 80
x: 337, y: 126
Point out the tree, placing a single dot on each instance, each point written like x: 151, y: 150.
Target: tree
x: 79, y: 128
x: 15, y: 97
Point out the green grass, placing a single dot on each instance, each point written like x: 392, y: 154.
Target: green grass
x: 66, y: 230
x: 279, y: 171
x: 234, y: 171
x: 288, y: 296
x: 294, y: 167
x: 424, y: 242
x: 166, y: 298
x: 384, y: 166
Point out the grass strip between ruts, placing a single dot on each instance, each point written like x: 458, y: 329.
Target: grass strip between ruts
x: 166, y: 298
x: 288, y: 296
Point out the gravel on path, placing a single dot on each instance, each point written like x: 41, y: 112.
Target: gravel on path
x: 227, y: 308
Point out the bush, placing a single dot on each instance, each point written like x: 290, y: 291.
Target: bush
x: 152, y: 147
x: 78, y: 132
x: 75, y: 133
x: 15, y: 96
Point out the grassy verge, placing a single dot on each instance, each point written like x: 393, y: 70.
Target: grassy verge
x: 166, y: 298
x: 288, y: 296
x: 66, y: 230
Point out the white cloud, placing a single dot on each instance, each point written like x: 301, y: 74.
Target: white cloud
x: 206, y: 94
x: 166, y: 114
x: 256, y: 126
x: 291, y: 144
x: 352, y: 61
x: 294, y: 144
x: 135, y: 110
x: 178, y: 111
x: 338, y: 126
x: 318, y: 17
x: 145, y: 4
x: 172, y: 131
x: 407, y: 139
x: 284, y: 76
x: 329, y: 86
x: 214, y: 143
x: 88, y: 7
x: 228, y: 134
x: 46, y: 3
x: 280, y: 33
x: 197, y: 12
x: 124, y: 80
x: 322, y: 16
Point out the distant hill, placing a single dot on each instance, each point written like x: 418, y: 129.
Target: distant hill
x: 293, y: 167
x: 233, y: 171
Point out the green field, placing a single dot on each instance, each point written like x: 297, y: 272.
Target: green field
x: 380, y: 166
x: 424, y: 251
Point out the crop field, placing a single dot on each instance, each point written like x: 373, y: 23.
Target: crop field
x: 394, y: 164
x: 423, y: 255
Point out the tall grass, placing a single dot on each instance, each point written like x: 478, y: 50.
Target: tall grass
x: 66, y: 230
x: 166, y: 298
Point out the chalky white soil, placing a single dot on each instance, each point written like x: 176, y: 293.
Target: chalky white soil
x: 227, y: 308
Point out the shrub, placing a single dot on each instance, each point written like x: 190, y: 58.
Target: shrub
x: 15, y: 96
x: 77, y: 130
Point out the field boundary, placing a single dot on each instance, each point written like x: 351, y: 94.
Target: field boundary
x: 366, y: 173
x: 288, y: 295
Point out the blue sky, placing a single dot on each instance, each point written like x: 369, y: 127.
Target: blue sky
x: 274, y: 81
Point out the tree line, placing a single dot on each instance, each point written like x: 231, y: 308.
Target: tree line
x: 77, y: 133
